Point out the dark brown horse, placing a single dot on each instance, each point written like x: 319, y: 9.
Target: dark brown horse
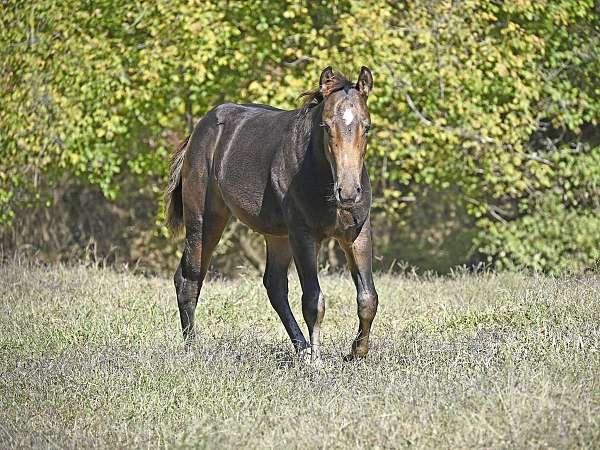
x: 296, y: 177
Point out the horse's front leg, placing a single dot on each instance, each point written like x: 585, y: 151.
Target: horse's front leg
x: 279, y: 256
x: 360, y: 255
x: 305, y: 249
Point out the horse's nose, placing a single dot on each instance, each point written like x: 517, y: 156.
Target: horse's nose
x: 351, y: 195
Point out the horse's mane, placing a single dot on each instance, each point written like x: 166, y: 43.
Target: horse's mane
x: 334, y: 84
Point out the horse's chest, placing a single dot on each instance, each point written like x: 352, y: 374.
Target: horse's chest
x: 340, y: 223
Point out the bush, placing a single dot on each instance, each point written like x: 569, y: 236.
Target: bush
x: 494, y: 103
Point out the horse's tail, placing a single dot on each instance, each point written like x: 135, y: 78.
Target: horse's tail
x: 173, y: 194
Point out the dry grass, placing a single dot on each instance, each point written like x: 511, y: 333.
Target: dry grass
x: 92, y: 358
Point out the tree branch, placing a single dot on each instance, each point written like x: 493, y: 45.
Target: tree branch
x: 467, y: 134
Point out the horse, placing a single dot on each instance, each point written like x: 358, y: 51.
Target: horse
x: 296, y: 177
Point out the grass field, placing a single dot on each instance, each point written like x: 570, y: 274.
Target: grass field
x: 93, y: 358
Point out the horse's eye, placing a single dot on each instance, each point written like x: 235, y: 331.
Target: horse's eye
x: 324, y: 125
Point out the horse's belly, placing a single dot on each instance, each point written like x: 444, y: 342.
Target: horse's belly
x: 251, y: 199
x: 268, y: 222
x: 242, y: 165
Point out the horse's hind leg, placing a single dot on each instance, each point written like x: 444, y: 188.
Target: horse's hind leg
x: 279, y: 256
x: 203, y: 232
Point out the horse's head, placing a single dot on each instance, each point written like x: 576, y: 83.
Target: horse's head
x: 346, y: 122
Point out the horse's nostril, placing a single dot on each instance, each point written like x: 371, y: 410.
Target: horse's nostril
x: 358, y: 189
x: 339, y: 190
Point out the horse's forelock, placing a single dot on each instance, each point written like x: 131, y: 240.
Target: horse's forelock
x: 334, y: 84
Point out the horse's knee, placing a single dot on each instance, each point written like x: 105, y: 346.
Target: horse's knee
x: 178, y: 279
x: 269, y: 280
x: 367, y: 305
x: 188, y: 278
x: 192, y: 270
x: 313, y: 305
x: 191, y: 261
x: 277, y: 290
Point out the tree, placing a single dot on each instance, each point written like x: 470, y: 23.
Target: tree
x: 485, y: 113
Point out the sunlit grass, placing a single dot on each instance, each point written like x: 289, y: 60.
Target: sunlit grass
x: 93, y: 358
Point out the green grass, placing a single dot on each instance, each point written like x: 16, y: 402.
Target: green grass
x: 93, y: 358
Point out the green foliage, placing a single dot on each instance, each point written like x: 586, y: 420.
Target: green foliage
x: 496, y: 103
x: 552, y: 238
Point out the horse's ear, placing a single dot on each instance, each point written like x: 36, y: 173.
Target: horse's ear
x: 325, y: 80
x: 364, y: 85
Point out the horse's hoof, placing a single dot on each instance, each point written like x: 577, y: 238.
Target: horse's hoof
x: 305, y: 354
x: 311, y: 357
x: 354, y: 355
x: 189, y: 342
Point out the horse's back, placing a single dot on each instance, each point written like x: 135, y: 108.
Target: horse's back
x: 239, y: 143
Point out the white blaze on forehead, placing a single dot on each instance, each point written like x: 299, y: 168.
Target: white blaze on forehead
x: 348, y: 116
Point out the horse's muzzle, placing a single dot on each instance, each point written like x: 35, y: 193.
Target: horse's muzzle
x: 348, y: 194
